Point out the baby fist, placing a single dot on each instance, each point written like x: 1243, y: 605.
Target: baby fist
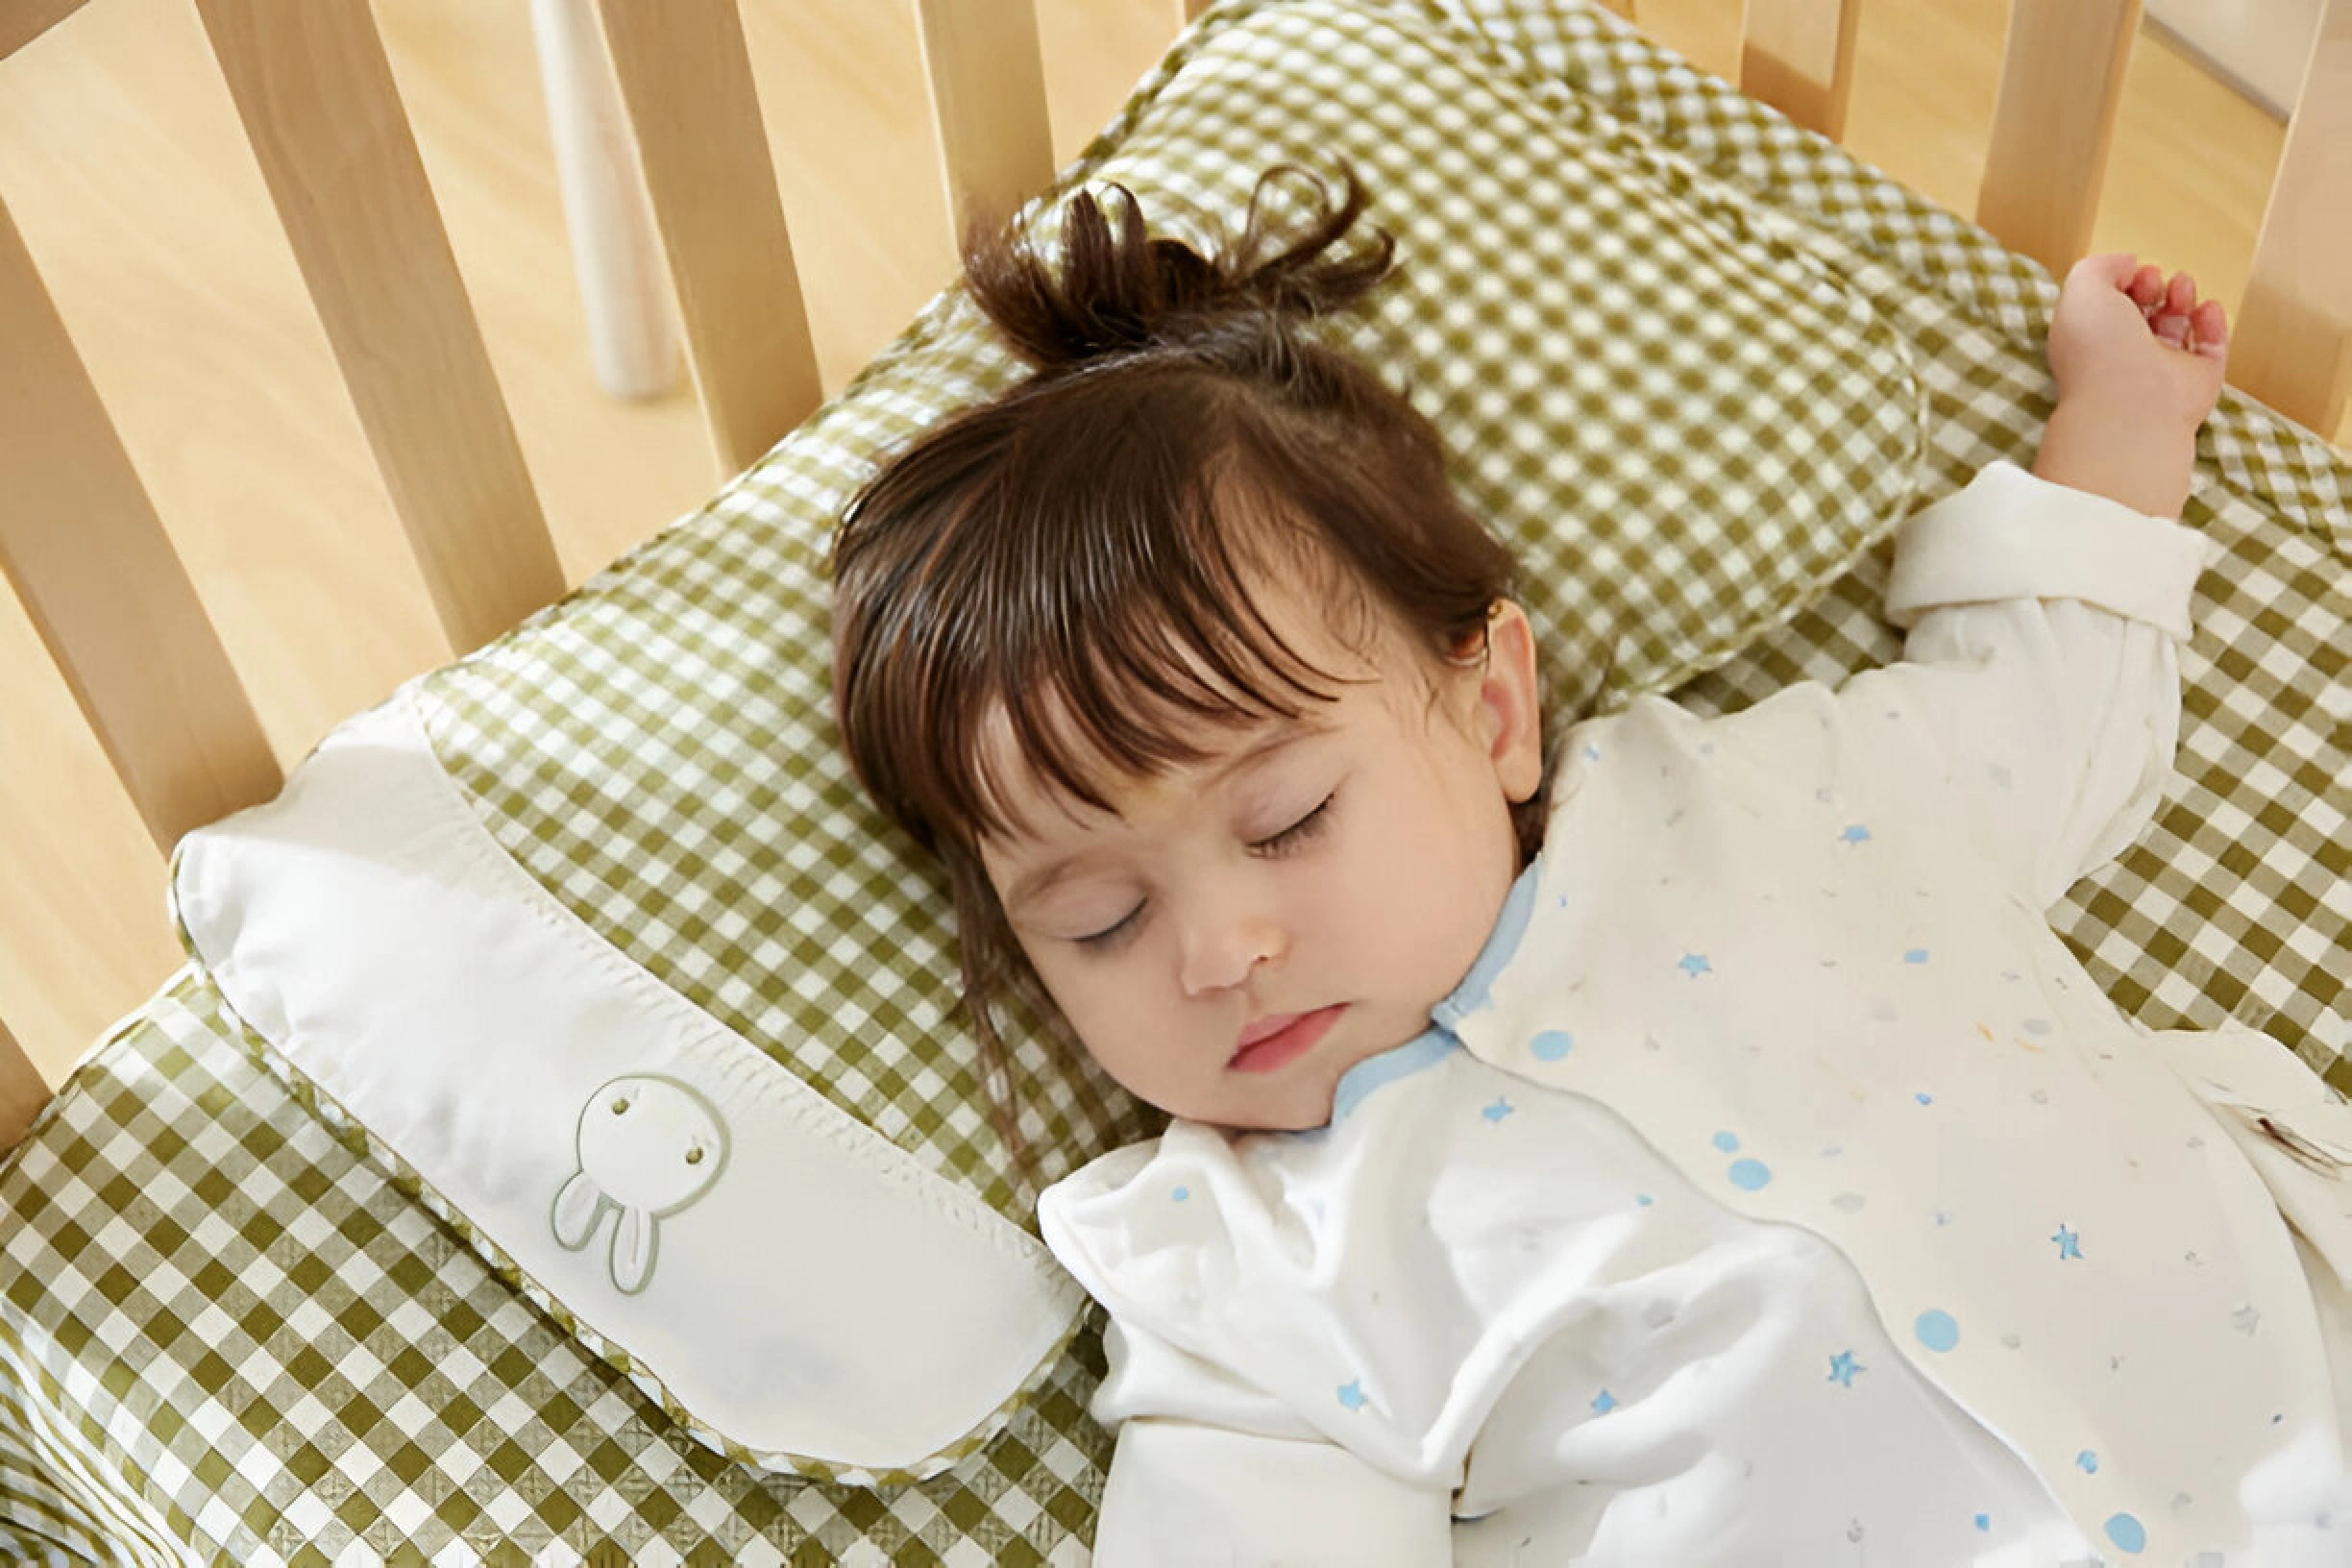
x: 2135, y: 344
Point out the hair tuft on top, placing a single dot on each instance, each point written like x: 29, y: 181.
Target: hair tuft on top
x: 1116, y: 290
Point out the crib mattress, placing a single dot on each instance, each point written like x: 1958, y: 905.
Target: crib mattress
x: 229, y: 1337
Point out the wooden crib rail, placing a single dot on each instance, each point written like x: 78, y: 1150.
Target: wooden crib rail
x: 81, y: 543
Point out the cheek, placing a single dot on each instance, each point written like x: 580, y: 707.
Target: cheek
x: 1110, y: 1001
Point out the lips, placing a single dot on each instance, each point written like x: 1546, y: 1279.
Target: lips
x: 1282, y: 1037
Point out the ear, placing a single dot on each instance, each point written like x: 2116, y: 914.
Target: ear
x: 1509, y: 713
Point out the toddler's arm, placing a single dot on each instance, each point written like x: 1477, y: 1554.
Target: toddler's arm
x: 2138, y: 363
x: 2037, y: 705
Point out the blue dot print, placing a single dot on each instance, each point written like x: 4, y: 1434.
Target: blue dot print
x: 1749, y: 1175
x: 1551, y: 1045
x: 2070, y: 1243
x: 2087, y: 1463
x: 1917, y: 955
x: 1352, y: 1394
x: 1855, y: 834
x: 1937, y: 1330
x: 1498, y: 1110
x: 1604, y: 1402
x: 1923, y: 1097
x: 1984, y: 1521
x: 1181, y: 1194
x: 1694, y: 964
x: 2127, y: 1532
x: 1726, y: 1142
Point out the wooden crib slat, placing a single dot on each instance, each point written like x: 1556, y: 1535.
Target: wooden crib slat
x: 988, y: 103
x: 22, y: 1091
x: 685, y: 76
x: 2053, y: 121
x: 2293, y: 347
x: 315, y: 92
x: 21, y: 21
x: 1798, y: 56
x: 81, y: 544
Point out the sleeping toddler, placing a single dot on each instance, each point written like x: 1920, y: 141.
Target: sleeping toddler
x: 1682, y: 1143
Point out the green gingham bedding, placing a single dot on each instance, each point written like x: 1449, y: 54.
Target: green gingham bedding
x: 229, y: 1337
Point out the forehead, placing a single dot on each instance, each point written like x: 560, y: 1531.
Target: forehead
x: 1207, y: 750
x: 1088, y: 723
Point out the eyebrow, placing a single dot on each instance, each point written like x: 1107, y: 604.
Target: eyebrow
x: 1035, y: 884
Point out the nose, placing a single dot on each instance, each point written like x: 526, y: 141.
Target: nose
x: 1224, y: 941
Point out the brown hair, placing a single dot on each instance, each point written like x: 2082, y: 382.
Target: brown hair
x: 1076, y: 558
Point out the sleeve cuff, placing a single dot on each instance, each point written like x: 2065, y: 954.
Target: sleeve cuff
x: 2010, y: 535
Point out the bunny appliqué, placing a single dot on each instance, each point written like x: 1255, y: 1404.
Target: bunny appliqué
x: 648, y: 1146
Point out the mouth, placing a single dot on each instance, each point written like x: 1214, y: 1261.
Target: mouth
x: 1281, y: 1038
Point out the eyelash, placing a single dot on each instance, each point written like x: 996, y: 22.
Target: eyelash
x: 1289, y: 840
x: 1299, y: 833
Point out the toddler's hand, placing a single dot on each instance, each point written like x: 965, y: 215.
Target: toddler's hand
x: 2137, y: 344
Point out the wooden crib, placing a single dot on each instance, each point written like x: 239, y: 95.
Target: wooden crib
x: 655, y: 105
x: 97, y: 572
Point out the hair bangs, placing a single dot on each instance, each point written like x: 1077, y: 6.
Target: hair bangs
x: 1131, y: 658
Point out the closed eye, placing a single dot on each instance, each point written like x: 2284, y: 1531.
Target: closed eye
x: 1113, y: 936
x: 1299, y: 833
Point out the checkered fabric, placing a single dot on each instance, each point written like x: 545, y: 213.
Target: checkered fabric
x: 229, y: 1339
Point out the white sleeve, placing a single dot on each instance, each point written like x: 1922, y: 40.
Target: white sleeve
x: 1187, y: 1496
x: 1211, y: 1470
x: 2038, y: 701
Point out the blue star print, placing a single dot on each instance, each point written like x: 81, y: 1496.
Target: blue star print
x: 1352, y: 1394
x: 1695, y: 964
x: 1855, y: 834
x: 1498, y: 1110
x: 1843, y: 1367
x: 2069, y: 1244
x: 1604, y: 1402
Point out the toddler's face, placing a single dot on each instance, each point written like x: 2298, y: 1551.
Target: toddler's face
x: 1240, y: 932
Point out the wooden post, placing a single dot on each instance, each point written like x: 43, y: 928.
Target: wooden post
x: 81, y: 544
x: 2293, y: 346
x: 685, y: 76
x: 988, y: 103
x: 2053, y: 121
x: 1798, y: 56
x: 22, y: 1091
x: 316, y: 95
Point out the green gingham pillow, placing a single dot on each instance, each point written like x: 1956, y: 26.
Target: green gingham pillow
x: 1675, y: 405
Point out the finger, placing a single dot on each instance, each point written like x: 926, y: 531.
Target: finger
x: 2181, y: 296
x: 2172, y: 328
x: 2112, y: 270
x: 2209, y: 329
x: 2146, y: 288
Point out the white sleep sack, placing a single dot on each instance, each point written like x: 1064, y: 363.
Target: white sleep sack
x: 1777, y: 1188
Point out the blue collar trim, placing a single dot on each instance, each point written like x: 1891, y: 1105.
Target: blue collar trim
x: 1438, y: 1041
